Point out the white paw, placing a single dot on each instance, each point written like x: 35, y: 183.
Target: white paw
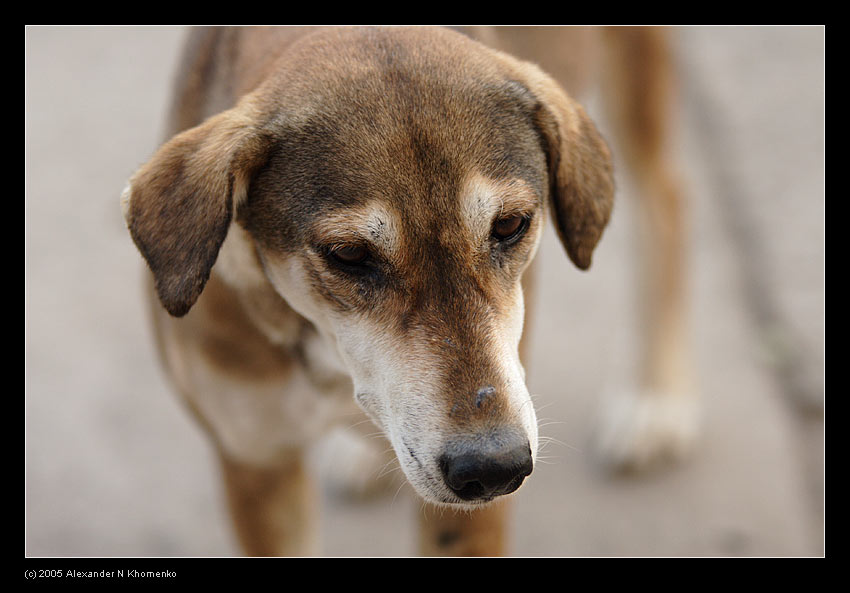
x: 352, y: 466
x: 641, y: 430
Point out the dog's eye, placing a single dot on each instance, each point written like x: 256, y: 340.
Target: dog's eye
x: 350, y: 255
x: 510, y: 228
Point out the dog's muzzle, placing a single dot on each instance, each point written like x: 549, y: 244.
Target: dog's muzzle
x: 484, y: 466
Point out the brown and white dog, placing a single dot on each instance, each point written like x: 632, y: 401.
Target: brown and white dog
x: 350, y: 211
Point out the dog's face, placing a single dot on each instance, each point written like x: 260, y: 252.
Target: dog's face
x: 394, y: 185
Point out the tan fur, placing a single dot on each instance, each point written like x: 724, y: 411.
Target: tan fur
x: 641, y: 97
x: 273, y: 507
x: 446, y: 532
x: 643, y: 118
x: 410, y: 143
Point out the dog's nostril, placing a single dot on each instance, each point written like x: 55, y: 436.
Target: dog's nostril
x: 483, y: 468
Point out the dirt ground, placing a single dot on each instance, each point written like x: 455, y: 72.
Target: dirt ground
x: 114, y: 466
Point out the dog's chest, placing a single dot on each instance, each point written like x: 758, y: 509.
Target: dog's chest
x: 259, y: 398
x: 260, y: 420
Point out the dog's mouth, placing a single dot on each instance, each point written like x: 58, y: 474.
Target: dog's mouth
x: 475, y: 489
x: 475, y: 495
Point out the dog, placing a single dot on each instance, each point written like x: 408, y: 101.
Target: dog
x: 349, y: 214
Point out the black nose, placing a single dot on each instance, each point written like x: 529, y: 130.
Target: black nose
x: 486, y: 466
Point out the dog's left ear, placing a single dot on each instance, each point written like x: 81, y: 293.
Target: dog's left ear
x: 179, y: 205
x: 580, y: 169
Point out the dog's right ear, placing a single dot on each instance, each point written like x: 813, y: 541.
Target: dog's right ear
x: 179, y: 205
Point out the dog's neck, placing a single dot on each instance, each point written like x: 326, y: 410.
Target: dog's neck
x: 240, y: 269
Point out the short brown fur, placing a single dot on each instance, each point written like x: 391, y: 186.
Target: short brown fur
x: 279, y: 130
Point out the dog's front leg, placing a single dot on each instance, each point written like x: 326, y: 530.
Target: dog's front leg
x: 659, y: 420
x: 272, y: 506
x: 448, y: 532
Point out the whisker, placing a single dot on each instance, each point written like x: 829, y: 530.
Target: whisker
x: 392, y: 503
x: 389, y: 467
x: 375, y: 435
x: 356, y: 424
x: 548, y: 421
x: 544, y: 406
x: 546, y: 440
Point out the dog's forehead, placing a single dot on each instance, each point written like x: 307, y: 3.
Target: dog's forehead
x: 350, y: 60
x: 389, y: 92
x: 399, y: 119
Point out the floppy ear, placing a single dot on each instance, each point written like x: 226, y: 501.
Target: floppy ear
x: 179, y: 205
x: 580, y: 169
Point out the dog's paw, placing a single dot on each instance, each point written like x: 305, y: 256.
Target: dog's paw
x: 354, y: 467
x: 640, y: 431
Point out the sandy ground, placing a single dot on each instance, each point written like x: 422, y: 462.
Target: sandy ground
x: 115, y: 467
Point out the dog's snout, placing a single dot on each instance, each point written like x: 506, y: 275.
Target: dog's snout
x: 484, y: 467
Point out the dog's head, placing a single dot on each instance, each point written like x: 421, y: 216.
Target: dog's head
x: 394, y: 184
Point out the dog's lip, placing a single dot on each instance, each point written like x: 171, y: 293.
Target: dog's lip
x: 412, y: 453
x: 448, y: 498
x: 422, y: 476
x: 457, y: 502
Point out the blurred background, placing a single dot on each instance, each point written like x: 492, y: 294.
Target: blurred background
x: 114, y: 466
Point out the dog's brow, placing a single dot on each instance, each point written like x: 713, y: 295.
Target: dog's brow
x: 485, y: 199
x: 373, y: 225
